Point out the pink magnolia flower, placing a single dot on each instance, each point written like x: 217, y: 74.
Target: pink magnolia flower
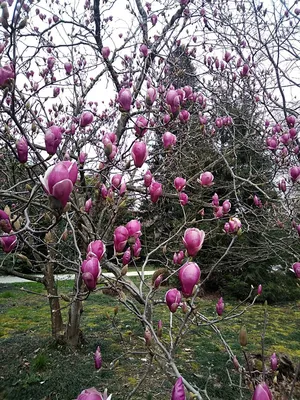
x: 215, y: 200
x: 59, y: 180
x: 8, y: 243
x: 91, y: 265
x: 144, y: 50
x: 120, y: 238
x: 257, y: 201
x: 274, y: 362
x: 140, y: 126
x: 139, y: 153
x: 206, y: 179
x: 296, y: 269
x: 259, y: 289
x: 5, y: 224
x: 150, y: 96
x: 68, y: 68
x: 148, y: 178
x: 173, y: 299
x: 116, y: 181
x: 104, y: 191
x: 88, y: 205
x: 105, y: 52
x: 6, y: 73
x: 193, y: 240
x: 82, y: 157
x: 154, y: 19
x: 291, y: 120
x: 189, y: 275
x: 93, y: 394
x: 125, y: 99
x: 262, y: 392
x: 53, y: 138
x: 235, y: 225
x: 272, y: 143
x: 98, y: 358
x: 179, y: 184
x: 22, y: 149
x: 134, y: 228
x: 86, y: 119
x: 126, y: 257
x: 220, y: 306
x: 173, y: 100
x: 137, y: 248
x: 295, y: 173
x: 97, y: 247
x: 169, y: 140
x: 155, y: 191
x: 184, y: 116
x: 183, y: 198
x: 226, y: 206
x: 282, y: 185
x: 178, y: 389
x: 178, y: 257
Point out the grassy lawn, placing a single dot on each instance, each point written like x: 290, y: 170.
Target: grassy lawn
x: 33, y: 367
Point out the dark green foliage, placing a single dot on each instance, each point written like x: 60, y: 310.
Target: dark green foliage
x: 278, y: 286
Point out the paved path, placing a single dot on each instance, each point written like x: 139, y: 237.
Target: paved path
x: 63, y: 277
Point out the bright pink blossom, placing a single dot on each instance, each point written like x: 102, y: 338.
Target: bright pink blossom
x: 150, y: 96
x: 125, y: 99
x: 116, y: 181
x: 98, y: 358
x: 137, y: 248
x: 169, y: 140
x: 206, y: 179
x: 88, y: 205
x: 139, y: 153
x: 126, y: 257
x: 178, y: 258
x: 105, y: 52
x: 189, y: 275
x: 93, y: 394
x: 179, y: 183
x: 226, y: 206
x: 86, y: 119
x: 155, y: 191
x: 173, y: 299
x: 220, y: 306
x: 193, y: 240
x: 140, y: 126
x: 59, y: 180
x: 183, y: 198
x: 53, y: 139
x: 148, y: 178
x: 262, y: 392
x: 22, y: 149
x: 178, y: 389
x: 6, y: 73
x: 8, y: 243
x: 96, y: 247
x: 296, y: 268
x: 5, y: 224
x: 120, y: 238
x: 134, y: 228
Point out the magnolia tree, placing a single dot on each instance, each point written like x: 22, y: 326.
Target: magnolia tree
x: 102, y: 134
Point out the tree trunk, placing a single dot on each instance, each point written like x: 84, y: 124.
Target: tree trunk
x: 73, y: 334
x: 57, y: 325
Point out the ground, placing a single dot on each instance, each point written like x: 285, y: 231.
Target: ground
x: 33, y: 367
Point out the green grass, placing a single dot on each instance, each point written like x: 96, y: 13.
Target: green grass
x: 33, y: 367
